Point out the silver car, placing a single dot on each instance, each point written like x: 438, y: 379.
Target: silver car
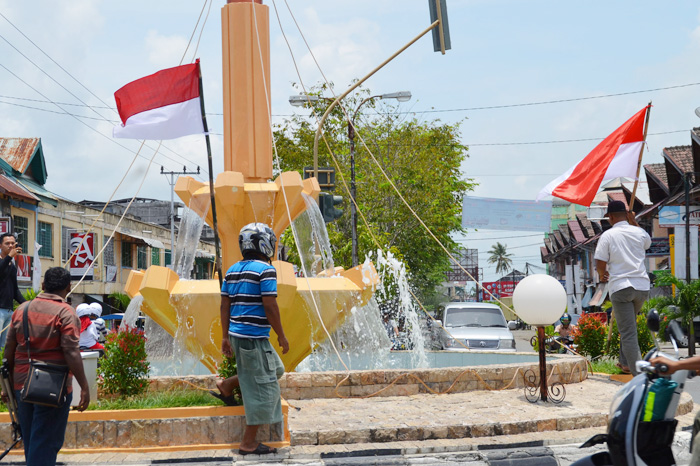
x: 476, y: 326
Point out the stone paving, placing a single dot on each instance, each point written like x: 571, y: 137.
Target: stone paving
x: 498, y: 419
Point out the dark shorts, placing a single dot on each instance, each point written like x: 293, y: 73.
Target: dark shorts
x: 259, y: 368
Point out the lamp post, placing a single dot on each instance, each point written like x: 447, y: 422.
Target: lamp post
x: 302, y: 99
x: 540, y: 300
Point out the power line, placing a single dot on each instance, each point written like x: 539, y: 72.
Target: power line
x: 81, y: 84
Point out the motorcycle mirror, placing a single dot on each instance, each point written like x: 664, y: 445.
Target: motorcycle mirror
x: 653, y: 320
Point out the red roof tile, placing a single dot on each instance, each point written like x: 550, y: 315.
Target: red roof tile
x: 14, y: 190
x: 576, y: 232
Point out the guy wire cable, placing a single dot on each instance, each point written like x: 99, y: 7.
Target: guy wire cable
x: 369, y: 229
x: 286, y: 201
x: 388, y: 179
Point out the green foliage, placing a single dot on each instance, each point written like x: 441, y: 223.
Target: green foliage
x: 605, y: 365
x: 685, y: 300
x: 121, y: 300
x: 590, y: 336
x: 228, y: 368
x: 499, y: 255
x: 423, y: 159
x: 535, y: 342
x: 646, y: 342
x: 28, y: 294
x: 123, y: 369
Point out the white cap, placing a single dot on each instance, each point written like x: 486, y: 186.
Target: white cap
x: 96, y: 309
x: 83, y: 309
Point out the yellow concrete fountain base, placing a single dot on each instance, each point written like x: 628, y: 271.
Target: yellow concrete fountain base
x: 189, y: 310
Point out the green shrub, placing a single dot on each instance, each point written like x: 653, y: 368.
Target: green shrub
x: 124, y: 369
x: 121, y: 300
x: 590, y: 336
x: 228, y: 368
x: 646, y: 342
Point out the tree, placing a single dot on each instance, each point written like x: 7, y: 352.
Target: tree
x: 499, y: 256
x: 684, y: 305
x: 421, y: 158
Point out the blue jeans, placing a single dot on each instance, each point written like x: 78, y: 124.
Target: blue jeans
x: 5, y: 319
x: 43, y: 430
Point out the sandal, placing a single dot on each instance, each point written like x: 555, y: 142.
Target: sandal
x: 625, y: 370
x: 260, y: 450
x: 228, y: 400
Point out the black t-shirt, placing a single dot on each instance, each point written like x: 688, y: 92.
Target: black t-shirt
x: 8, y: 284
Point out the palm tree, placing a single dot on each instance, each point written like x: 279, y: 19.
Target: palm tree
x: 685, y: 304
x: 500, y: 257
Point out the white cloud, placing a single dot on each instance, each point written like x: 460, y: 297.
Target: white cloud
x: 164, y: 51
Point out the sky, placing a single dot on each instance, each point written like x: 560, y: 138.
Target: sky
x: 505, y: 53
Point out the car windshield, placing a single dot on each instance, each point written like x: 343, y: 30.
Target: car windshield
x: 474, y: 317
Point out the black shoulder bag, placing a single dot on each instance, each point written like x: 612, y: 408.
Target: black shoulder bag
x: 46, y: 384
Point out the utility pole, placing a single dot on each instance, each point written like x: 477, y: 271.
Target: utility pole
x: 172, y: 204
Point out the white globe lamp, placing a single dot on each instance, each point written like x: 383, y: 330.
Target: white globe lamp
x: 539, y: 300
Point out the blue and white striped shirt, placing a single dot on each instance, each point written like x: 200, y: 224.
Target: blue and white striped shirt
x: 246, y: 283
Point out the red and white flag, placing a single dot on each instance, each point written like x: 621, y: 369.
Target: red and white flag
x: 616, y: 156
x: 164, y: 105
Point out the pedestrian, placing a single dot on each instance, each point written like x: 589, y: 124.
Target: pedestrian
x: 248, y: 311
x: 99, y: 322
x: 619, y: 257
x: 88, y: 331
x: 53, y: 332
x: 9, y: 291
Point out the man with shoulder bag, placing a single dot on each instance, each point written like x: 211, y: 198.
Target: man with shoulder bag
x: 41, y: 344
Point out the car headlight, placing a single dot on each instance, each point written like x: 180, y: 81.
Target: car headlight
x: 450, y: 343
x: 506, y: 344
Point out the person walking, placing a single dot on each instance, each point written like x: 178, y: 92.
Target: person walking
x: 619, y: 260
x: 9, y: 291
x: 248, y: 311
x: 53, y: 331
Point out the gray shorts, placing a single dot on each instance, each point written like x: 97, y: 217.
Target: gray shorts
x: 259, y: 368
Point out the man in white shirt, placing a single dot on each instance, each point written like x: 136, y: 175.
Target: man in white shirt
x: 619, y: 259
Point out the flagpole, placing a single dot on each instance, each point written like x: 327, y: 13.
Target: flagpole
x: 639, y: 163
x: 211, y: 180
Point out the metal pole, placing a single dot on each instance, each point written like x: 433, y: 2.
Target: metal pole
x: 211, y: 185
x: 543, y: 364
x: 686, y: 185
x: 172, y: 217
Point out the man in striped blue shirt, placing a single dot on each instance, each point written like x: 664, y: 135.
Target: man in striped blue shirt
x: 248, y: 311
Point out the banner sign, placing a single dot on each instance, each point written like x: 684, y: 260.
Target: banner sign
x: 506, y: 214
x: 23, y: 262
x: 4, y: 225
x: 499, y: 289
x: 659, y: 247
x: 670, y: 216
x: 81, y: 263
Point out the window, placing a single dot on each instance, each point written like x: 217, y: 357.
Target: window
x: 127, y: 259
x: 44, y: 237
x: 22, y: 232
x: 155, y: 256
x: 141, y: 257
x: 168, y: 260
x: 65, y: 243
x: 108, y: 253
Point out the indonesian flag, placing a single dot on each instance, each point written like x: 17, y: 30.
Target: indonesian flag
x: 616, y: 156
x: 164, y: 105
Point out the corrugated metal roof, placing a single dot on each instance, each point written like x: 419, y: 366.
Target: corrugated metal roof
x: 18, y: 152
x: 618, y: 196
x: 576, y: 232
x: 14, y: 190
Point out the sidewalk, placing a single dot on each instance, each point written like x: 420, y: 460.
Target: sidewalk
x: 418, y: 424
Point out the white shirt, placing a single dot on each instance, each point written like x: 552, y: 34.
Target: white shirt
x: 623, y: 248
x: 88, y: 338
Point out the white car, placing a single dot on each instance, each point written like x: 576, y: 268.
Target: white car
x: 476, y: 326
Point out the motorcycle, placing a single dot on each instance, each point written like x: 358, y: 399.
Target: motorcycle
x: 642, y: 423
